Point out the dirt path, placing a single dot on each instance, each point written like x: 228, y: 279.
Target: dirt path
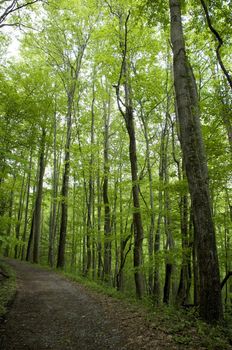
x: 50, y: 312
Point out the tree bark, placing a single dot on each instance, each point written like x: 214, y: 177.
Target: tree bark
x: 19, y: 218
x: 70, y: 87
x: 169, y: 266
x: 196, y: 171
x: 185, y: 273
x: 137, y: 218
x: 120, y: 276
x: 9, y: 226
x: 38, y: 203
x: 107, y: 221
x: 26, y: 208
x: 52, y: 225
x: 65, y: 187
x: 152, y: 207
x: 128, y: 116
x: 99, y: 242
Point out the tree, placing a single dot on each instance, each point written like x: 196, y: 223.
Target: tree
x: 128, y: 115
x: 127, y: 198
x: 38, y: 201
x: 196, y: 171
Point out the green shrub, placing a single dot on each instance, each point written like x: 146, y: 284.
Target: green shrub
x: 7, y: 287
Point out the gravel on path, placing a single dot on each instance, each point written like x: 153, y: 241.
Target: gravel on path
x: 51, y: 312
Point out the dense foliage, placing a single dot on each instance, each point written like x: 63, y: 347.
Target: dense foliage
x: 90, y: 81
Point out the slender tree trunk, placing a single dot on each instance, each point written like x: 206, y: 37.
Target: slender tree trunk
x: 74, y: 238
x: 19, y: 218
x: 137, y: 218
x: 99, y: 243
x: 128, y: 116
x: 107, y: 221
x: 2, y: 180
x: 169, y: 266
x: 70, y: 87
x: 91, y: 188
x: 152, y: 208
x: 38, y: 202
x: 226, y: 115
x: 30, y: 238
x: 53, y: 198
x: 114, y: 232
x: 11, y: 204
x: 185, y: 273
x: 65, y: 187
x: 196, y: 171
x: 26, y: 208
x: 89, y: 223
x: 156, y: 286
x: 120, y: 277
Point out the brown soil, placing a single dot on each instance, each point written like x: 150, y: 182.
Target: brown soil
x: 51, y: 312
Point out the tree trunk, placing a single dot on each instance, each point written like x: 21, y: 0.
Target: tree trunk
x: 9, y: 226
x: 91, y: 188
x: 65, y: 187
x: 120, y: 276
x: 74, y: 238
x: 152, y: 209
x: 38, y: 201
x: 107, y: 223
x: 99, y: 243
x: 185, y: 273
x: 70, y: 88
x: 167, y: 283
x: 226, y: 115
x: 156, y: 285
x: 19, y: 218
x: 137, y: 218
x: 128, y: 116
x: 196, y: 171
x: 30, y: 238
x: 169, y: 266
x: 26, y: 208
x: 52, y: 225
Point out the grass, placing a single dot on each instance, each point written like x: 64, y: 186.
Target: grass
x: 7, y: 287
x: 188, y: 329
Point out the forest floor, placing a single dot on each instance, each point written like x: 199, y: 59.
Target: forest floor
x: 52, y: 312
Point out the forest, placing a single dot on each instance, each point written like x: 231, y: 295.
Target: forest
x: 116, y: 144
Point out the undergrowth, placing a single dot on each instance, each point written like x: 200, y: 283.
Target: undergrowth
x: 188, y: 329
x: 7, y: 287
x: 184, y: 325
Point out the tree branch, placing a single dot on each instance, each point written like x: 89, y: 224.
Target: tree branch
x: 13, y: 7
x: 226, y: 278
x: 220, y: 43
